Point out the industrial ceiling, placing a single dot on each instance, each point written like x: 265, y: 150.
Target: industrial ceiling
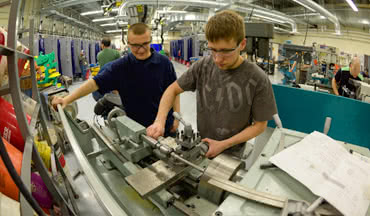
x: 287, y: 15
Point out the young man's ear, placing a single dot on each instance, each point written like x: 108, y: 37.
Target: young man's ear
x: 243, y: 43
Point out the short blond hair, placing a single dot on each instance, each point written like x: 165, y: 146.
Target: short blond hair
x: 225, y: 25
x: 139, y: 28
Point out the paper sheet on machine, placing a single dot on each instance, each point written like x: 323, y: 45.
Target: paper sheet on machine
x: 329, y: 171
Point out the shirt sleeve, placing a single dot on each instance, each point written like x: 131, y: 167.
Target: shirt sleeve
x: 172, y: 74
x: 117, y: 55
x: 99, y: 58
x: 264, y: 105
x: 338, y: 75
x: 188, y: 80
x: 109, y: 76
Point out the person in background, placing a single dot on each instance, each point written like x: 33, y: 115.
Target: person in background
x: 83, y: 64
x: 107, y: 54
x: 234, y: 96
x: 340, y: 83
x: 365, y: 73
x: 141, y: 78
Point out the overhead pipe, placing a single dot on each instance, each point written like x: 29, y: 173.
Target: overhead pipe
x: 56, y: 13
x: 188, y: 17
x: 258, y: 10
x: 209, y: 4
x: 321, y: 10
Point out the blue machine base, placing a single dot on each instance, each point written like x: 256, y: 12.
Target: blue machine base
x: 306, y: 111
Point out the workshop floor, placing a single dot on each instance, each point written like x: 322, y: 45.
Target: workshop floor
x: 87, y: 203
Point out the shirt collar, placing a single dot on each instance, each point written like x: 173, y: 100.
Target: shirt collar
x: 154, y: 58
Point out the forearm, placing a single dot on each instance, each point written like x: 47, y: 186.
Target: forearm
x: 168, y: 100
x: 334, y: 86
x: 176, y: 105
x: 85, y: 89
x: 245, y: 135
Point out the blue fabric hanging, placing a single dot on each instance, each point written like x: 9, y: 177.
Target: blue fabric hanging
x: 89, y: 48
x: 97, y: 50
x: 73, y: 57
x: 59, y: 61
x: 41, y: 46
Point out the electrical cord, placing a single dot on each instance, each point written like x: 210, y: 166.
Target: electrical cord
x: 250, y: 15
x: 305, y: 37
x: 18, y: 181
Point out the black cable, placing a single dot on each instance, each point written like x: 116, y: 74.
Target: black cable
x: 18, y: 181
x: 145, y: 13
x: 250, y: 15
x: 305, y: 37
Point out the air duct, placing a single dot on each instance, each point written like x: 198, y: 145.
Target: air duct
x: 321, y: 10
x: 174, y: 19
x: 263, y: 12
x: 210, y: 4
x: 63, y: 16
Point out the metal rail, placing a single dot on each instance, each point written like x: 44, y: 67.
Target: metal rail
x: 109, y: 204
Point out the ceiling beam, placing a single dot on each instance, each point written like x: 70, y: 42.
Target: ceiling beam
x: 365, y: 6
x: 6, y: 3
x: 68, y: 3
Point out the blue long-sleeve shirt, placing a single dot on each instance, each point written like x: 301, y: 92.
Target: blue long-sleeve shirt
x: 140, y: 83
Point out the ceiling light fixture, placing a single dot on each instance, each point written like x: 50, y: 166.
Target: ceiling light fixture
x: 103, y: 19
x: 97, y: 12
x: 171, y: 11
x: 268, y: 18
x: 113, y: 24
x: 92, y: 12
x: 115, y: 31
x: 353, y: 6
x: 307, y: 14
x: 304, y: 5
x: 322, y: 17
x: 365, y: 22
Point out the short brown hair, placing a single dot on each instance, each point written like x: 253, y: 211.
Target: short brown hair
x: 225, y: 25
x: 139, y: 28
x: 106, y: 42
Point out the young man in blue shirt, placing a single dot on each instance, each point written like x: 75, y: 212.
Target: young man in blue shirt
x: 140, y: 78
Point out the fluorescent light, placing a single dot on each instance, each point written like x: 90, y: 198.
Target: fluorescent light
x: 304, y: 5
x: 307, y: 14
x: 91, y: 12
x: 353, y: 6
x: 322, y: 17
x: 268, y: 18
x: 115, y: 31
x: 170, y: 11
x: 103, y: 19
x: 365, y: 22
x: 96, y: 12
x: 281, y: 29
x: 113, y: 24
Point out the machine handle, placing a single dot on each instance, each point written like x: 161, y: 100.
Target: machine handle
x: 204, y: 148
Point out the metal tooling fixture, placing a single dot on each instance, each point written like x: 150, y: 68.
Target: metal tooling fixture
x: 164, y: 174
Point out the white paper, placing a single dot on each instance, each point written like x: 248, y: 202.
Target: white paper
x: 329, y: 171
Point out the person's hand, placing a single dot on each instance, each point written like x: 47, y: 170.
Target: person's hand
x: 174, y: 126
x: 214, y: 147
x: 58, y: 100
x: 155, y: 130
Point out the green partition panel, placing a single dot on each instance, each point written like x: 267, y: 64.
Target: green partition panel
x: 306, y: 111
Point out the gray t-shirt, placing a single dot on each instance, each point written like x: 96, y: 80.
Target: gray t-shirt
x: 228, y: 101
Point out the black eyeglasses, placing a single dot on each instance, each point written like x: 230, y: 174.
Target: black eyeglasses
x: 138, y: 46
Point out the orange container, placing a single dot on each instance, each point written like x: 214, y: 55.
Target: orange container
x: 7, y: 185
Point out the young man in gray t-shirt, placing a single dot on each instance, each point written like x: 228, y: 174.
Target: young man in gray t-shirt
x: 234, y: 97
